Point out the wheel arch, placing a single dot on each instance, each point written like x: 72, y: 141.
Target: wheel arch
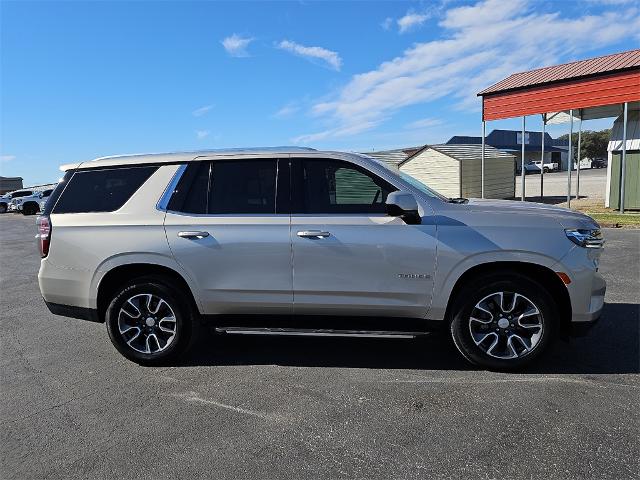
x: 31, y: 203
x: 113, y: 278
x: 543, y: 275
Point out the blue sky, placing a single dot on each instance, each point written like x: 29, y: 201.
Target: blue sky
x: 86, y: 79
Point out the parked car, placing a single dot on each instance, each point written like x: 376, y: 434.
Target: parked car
x: 534, y: 167
x: 6, y: 200
x: 30, y: 205
x: 298, y: 241
x: 548, y: 166
x: 599, y: 163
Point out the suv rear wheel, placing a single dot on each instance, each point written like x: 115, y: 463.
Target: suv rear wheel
x: 504, y: 324
x: 148, y: 322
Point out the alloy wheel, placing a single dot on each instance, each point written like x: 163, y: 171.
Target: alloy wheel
x: 147, y: 323
x: 506, y: 325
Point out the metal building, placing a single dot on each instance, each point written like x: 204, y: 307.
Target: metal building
x: 455, y: 170
x: 603, y: 87
x: 9, y: 184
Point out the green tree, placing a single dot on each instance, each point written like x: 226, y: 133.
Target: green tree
x: 593, y: 145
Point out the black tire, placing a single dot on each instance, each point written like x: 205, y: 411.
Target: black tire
x: 474, y: 293
x: 3, y: 208
x: 178, y: 302
x: 29, y: 209
x: 546, y: 170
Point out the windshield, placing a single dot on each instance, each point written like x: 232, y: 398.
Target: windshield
x: 421, y: 186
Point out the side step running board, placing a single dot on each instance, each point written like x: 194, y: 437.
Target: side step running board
x: 308, y: 332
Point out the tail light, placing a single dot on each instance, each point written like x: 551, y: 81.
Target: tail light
x: 44, y: 234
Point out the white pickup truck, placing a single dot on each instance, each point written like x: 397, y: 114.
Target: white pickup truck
x: 548, y: 166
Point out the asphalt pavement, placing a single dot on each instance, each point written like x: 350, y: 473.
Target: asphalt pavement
x: 593, y: 184
x: 257, y: 407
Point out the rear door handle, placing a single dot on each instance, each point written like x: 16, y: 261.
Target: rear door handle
x: 313, y: 234
x: 190, y: 234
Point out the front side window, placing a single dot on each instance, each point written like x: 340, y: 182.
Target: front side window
x: 335, y: 187
x: 227, y: 187
x: 101, y: 190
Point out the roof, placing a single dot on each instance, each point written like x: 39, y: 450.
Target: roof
x: 179, y: 157
x: 568, y: 71
x: 467, y: 152
x: 395, y: 157
x: 6, y: 179
x: 507, y: 140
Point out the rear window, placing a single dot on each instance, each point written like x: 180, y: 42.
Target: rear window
x: 104, y: 190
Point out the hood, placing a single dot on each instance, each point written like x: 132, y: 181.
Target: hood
x: 566, y: 217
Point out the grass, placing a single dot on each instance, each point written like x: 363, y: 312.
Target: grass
x: 611, y: 219
x: 606, y: 217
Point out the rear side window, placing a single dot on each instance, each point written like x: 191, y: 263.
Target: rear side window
x: 190, y: 195
x: 104, y: 190
x: 243, y: 186
x: 227, y: 187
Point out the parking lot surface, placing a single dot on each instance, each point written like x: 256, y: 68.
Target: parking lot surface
x: 260, y: 407
x: 593, y: 184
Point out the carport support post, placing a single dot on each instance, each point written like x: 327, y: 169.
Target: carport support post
x: 524, y: 121
x: 482, y: 159
x: 570, y: 160
x: 623, y: 163
x: 579, y: 155
x: 544, y: 124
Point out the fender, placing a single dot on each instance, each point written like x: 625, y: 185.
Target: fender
x: 443, y: 285
x: 129, y: 258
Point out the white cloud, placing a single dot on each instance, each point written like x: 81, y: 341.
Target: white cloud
x: 479, y: 45
x: 286, y: 111
x: 236, y: 45
x: 411, y: 21
x: 330, y: 58
x: 425, y: 123
x: 198, y: 112
x: 7, y: 158
x: 387, y: 23
x: 200, y: 134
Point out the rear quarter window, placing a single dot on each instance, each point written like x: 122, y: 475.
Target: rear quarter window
x: 101, y: 190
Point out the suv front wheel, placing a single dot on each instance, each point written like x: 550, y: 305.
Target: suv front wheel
x: 148, y: 322
x: 504, y: 324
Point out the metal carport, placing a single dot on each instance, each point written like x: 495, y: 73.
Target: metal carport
x: 595, y: 88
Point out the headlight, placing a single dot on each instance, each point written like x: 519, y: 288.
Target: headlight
x: 587, y: 238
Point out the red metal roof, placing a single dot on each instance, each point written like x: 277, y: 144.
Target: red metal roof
x: 568, y: 71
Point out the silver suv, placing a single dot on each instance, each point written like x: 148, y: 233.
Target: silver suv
x: 298, y: 241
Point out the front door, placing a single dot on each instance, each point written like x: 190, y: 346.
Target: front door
x: 349, y: 257
x: 224, y: 228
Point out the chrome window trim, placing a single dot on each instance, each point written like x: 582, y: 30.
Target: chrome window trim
x: 163, y: 203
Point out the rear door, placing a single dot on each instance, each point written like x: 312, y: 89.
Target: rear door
x: 349, y: 256
x: 224, y: 227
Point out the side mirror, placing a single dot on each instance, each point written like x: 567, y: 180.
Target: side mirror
x: 403, y: 205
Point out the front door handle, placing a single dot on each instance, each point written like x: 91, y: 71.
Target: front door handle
x: 193, y: 234
x: 313, y: 234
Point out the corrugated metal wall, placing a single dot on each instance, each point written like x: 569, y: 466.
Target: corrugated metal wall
x: 444, y: 173
x: 436, y: 170
x: 498, y: 178
x: 592, y: 92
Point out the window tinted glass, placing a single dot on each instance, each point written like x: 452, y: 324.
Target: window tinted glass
x: 333, y: 186
x: 190, y: 195
x: 104, y: 190
x: 243, y: 186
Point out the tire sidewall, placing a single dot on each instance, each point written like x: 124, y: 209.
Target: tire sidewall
x: 471, y: 295
x: 178, y: 303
